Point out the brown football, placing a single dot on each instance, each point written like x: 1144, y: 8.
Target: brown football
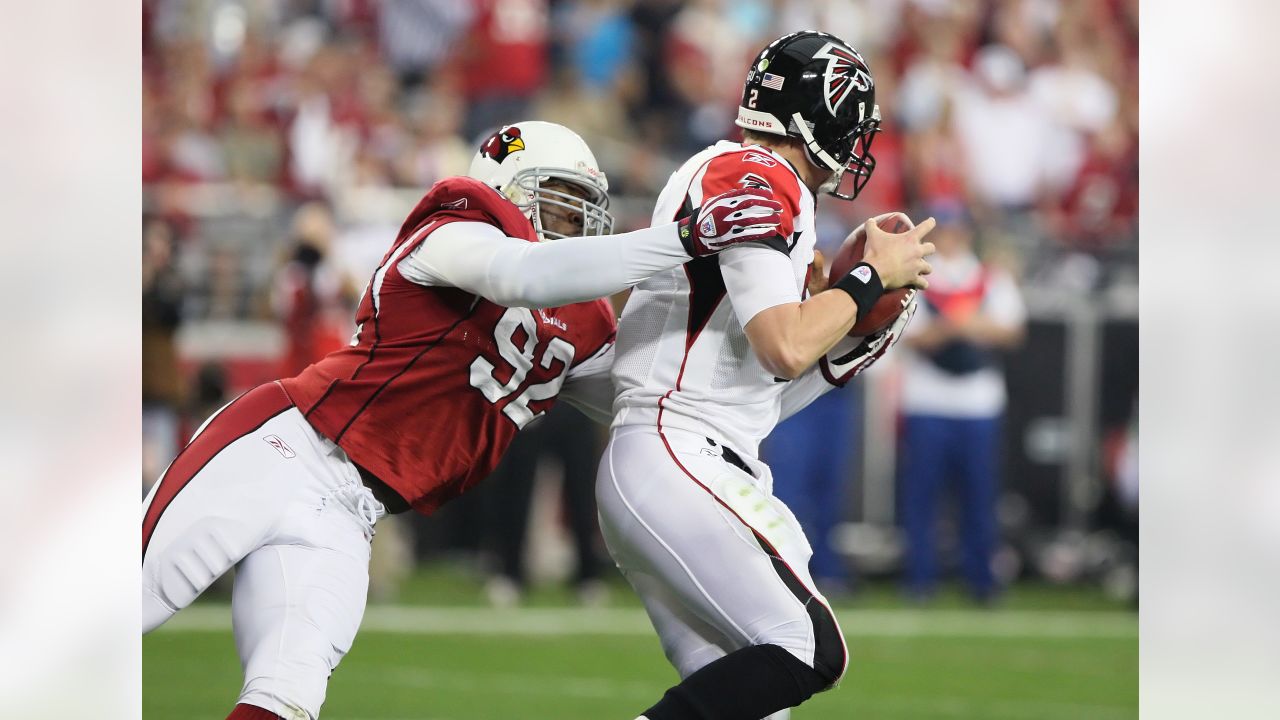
x: 850, y: 254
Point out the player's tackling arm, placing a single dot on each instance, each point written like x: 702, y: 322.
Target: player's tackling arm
x: 479, y: 258
x: 788, y: 338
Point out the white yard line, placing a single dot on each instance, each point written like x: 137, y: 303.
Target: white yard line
x: 935, y: 706
x: 938, y: 705
x: 417, y: 620
x: 509, y: 684
x: 578, y: 687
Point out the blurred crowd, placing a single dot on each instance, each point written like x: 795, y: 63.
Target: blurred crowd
x: 1024, y: 111
x: 283, y: 140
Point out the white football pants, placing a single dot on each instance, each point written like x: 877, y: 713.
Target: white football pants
x: 259, y: 489
x: 719, y: 562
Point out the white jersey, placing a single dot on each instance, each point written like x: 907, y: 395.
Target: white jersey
x: 682, y: 357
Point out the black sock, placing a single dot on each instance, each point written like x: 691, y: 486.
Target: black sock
x: 747, y: 684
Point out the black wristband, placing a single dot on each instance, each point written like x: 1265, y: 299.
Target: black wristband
x: 864, y: 286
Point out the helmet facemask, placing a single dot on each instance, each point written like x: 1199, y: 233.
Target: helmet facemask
x: 849, y: 155
x: 530, y: 192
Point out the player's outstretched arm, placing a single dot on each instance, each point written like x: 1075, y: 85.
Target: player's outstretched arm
x: 480, y: 259
x: 788, y: 338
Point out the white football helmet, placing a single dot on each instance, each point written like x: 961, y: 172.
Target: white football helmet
x: 519, y: 159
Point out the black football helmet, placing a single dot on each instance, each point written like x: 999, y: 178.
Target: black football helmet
x: 815, y: 87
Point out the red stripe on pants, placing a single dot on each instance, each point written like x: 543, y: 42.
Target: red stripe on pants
x: 245, y: 414
x: 251, y: 712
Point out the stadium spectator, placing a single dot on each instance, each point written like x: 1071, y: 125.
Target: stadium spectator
x: 436, y: 148
x: 503, y: 62
x: 1077, y: 99
x: 1005, y: 136
x: 935, y: 163
x: 312, y: 298
x: 1100, y: 207
x: 253, y: 150
x: 931, y: 79
x: 658, y: 107
x: 601, y: 119
x: 953, y: 397
x: 866, y: 24
x: 706, y: 67
x: 417, y: 36
x: 600, y: 42
x: 162, y: 392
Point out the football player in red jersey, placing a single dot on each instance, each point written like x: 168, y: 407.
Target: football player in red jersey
x: 469, y: 329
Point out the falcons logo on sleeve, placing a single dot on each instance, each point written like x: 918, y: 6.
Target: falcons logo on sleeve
x: 845, y: 69
x: 752, y: 180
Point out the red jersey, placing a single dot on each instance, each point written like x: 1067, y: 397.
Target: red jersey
x: 437, y: 381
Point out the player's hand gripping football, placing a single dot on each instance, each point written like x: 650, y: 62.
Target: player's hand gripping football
x: 899, y: 258
x: 726, y: 220
x: 846, y: 366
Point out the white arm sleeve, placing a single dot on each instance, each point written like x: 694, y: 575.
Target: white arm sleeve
x: 589, y: 386
x: 757, y: 278
x: 480, y: 259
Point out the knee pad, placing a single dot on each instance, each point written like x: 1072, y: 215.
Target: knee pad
x: 751, y: 682
x: 808, y: 680
x: 829, y: 657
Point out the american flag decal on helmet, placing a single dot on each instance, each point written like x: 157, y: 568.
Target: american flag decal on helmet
x: 845, y: 69
x: 773, y: 82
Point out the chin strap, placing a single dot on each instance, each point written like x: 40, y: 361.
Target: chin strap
x: 832, y: 185
x: 810, y: 142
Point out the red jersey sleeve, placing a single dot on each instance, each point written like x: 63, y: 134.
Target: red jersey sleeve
x: 754, y: 168
x: 605, y: 329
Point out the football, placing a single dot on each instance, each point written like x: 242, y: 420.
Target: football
x: 850, y: 254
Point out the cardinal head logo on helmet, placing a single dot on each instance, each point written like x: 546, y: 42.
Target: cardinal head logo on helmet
x: 502, y: 143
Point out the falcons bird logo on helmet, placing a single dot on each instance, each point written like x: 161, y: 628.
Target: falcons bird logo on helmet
x: 502, y: 143
x: 845, y: 68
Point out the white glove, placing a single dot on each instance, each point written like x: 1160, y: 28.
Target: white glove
x: 844, y: 367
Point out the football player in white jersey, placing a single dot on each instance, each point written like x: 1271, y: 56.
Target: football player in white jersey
x: 710, y: 356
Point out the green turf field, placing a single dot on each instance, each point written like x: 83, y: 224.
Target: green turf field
x: 1045, y: 655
